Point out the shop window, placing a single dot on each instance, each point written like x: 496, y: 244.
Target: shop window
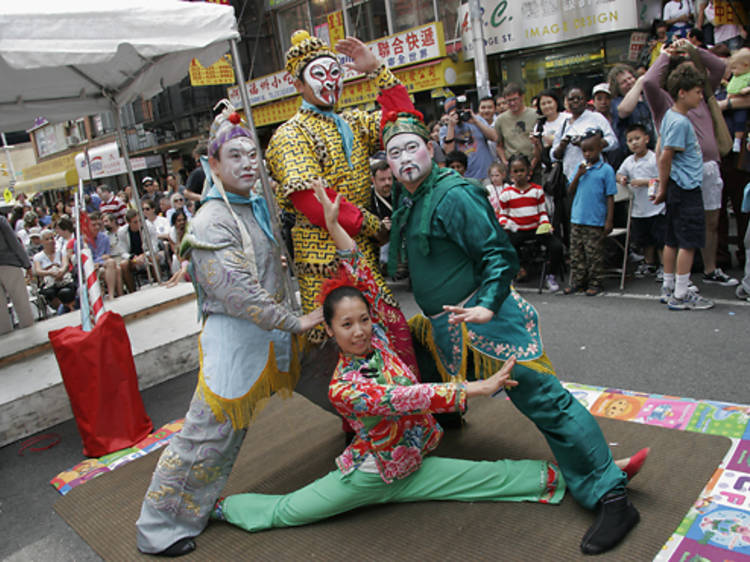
x: 411, y: 13
x: 559, y: 68
x: 290, y: 20
x: 448, y: 14
x: 319, y: 10
x: 617, y: 48
x: 368, y: 19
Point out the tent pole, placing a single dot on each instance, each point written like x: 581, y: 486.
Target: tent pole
x: 83, y: 293
x: 144, y: 228
x: 279, y: 247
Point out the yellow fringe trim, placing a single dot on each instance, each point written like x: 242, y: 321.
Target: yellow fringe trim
x: 242, y: 411
x: 421, y: 328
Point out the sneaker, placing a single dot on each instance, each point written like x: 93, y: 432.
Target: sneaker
x: 718, y: 277
x: 635, y: 257
x: 644, y: 270
x: 741, y: 293
x: 660, y: 274
x: 552, y: 283
x: 666, y: 294
x: 691, y: 301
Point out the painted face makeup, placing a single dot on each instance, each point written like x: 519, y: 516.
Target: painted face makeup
x: 408, y: 157
x: 325, y: 77
x: 238, y: 165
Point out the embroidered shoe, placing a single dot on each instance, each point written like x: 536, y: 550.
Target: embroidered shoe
x: 718, y: 277
x: 691, y: 301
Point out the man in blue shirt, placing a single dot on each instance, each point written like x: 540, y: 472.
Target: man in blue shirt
x: 470, y: 137
x: 101, y: 252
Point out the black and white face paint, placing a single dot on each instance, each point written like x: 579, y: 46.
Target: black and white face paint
x: 408, y: 157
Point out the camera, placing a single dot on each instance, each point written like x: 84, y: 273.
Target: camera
x: 464, y: 114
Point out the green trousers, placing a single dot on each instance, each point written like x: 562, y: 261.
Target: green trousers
x: 437, y: 479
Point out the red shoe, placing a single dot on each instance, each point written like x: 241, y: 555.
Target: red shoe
x: 636, y: 463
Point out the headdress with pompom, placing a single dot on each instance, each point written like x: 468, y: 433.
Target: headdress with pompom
x: 226, y: 125
x: 304, y: 49
x: 399, y: 115
x: 343, y: 278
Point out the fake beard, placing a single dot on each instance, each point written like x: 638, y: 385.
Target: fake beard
x: 409, y: 167
x: 324, y: 76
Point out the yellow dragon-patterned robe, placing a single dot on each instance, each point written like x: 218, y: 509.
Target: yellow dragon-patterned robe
x: 309, y: 147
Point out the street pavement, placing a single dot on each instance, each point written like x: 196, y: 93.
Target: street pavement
x: 628, y: 341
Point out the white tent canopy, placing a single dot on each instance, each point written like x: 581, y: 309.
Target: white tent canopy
x: 62, y: 60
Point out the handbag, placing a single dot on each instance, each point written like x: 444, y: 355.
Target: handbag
x: 554, y: 183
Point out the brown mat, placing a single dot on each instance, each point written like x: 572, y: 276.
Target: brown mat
x: 294, y: 442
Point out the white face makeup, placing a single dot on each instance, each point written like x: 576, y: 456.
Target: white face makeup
x: 326, y: 78
x: 408, y: 157
x: 238, y: 165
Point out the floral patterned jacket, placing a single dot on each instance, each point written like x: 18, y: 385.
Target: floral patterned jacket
x: 390, y: 412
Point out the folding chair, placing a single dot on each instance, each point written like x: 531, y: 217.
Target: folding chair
x: 624, y: 193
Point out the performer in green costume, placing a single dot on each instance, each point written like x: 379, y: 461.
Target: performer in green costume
x: 461, y: 265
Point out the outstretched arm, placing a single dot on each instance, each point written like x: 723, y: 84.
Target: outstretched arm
x: 331, y: 209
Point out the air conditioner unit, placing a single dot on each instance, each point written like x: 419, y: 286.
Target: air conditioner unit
x: 72, y: 140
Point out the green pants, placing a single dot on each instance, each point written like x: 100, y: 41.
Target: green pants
x: 437, y: 479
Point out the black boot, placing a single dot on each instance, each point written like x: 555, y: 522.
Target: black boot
x: 180, y: 548
x: 615, y: 516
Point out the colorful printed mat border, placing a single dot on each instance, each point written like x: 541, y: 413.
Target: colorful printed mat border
x: 717, y: 527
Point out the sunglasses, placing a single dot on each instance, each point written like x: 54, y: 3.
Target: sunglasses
x: 592, y: 132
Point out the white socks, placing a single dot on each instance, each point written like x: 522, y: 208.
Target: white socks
x: 681, y: 285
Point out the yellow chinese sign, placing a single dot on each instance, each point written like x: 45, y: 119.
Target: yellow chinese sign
x: 728, y: 13
x: 221, y: 72
x: 428, y: 76
x: 336, y: 27
x: 277, y: 112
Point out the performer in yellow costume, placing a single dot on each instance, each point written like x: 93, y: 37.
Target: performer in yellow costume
x: 317, y: 143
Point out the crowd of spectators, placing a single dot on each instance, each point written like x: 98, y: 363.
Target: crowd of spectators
x: 582, y: 147
x: 38, y: 261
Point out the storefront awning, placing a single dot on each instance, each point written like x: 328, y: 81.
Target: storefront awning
x: 57, y: 180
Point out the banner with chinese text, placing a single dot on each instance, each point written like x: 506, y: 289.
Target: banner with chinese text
x: 410, y: 47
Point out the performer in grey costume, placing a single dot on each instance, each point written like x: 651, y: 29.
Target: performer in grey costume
x: 248, y: 348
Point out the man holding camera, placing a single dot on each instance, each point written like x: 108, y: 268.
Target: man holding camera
x: 467, y: 132
x: 515, y: 127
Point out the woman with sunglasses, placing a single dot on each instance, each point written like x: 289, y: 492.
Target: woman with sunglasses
x: 161, y: 224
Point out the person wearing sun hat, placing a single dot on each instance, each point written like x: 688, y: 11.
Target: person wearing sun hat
x: 461, y: 265
x: 248, y: 347
x: 319, y: 144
